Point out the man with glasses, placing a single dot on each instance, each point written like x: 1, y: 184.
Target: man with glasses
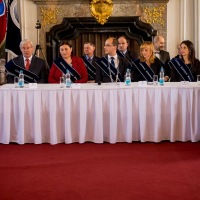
x: 112, y: 67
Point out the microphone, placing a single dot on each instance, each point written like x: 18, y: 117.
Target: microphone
x: 116, y: 78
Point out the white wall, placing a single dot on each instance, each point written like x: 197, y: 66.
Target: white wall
x: 173, y: 27
x: 28, y: 20
x: 183, y: 24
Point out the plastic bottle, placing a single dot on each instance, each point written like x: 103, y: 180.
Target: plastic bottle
x: 128, y: 77
x: 162, y: 74
x: 21, y: 79
x: 68, y: 79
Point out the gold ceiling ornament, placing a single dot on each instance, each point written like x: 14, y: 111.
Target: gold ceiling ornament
x: 101, y: 10
x: 155, y: 14
x: 48, y: 16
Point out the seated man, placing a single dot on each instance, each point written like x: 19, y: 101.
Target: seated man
x: 123, y: 51
x: 34, y: 68
x: 160, y: 53
x: 112, y: 67
x: 89, y: 59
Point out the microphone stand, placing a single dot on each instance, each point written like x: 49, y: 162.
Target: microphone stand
x: 38, y: 47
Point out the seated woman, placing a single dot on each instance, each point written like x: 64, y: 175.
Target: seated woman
x: 147, y: 65
x: 68, y: 62
x: 187, y: 67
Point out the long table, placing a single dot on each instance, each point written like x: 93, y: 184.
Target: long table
x: 100, y: 113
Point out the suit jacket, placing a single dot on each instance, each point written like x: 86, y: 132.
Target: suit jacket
x: 195, y: 69
x: 94, y: 59
x: 165, y: 58
x: 102, y: 77
x: 37, y: 66
x: 78, y: 65
x: 130, y: 55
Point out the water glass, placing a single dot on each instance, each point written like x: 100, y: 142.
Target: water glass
x: 62, y: 82
x: 198, y: 79
x: 155, y: 79
x: 16, y: 82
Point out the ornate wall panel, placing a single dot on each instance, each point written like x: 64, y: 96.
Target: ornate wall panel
x: 52, y: 12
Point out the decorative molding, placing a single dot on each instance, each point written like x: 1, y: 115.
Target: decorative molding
x: 101, y: 10
x: 81, y: 9
x: 155, y: 14
x: 60, y: 2
x: 48, y: 16
x: 55, y: 2
x: 153, y: 1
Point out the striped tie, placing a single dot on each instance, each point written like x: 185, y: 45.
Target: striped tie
x: 112, y: 61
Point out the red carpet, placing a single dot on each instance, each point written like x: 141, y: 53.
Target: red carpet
x: 122, y: 171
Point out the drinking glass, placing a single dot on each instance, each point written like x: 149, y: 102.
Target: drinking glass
x: 155, y: 79
x: 198, y: 79
x: 16, y: 82
x: 62, y: 82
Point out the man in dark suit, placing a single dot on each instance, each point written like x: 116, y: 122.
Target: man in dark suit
x: 90, y: 60
x: 111, y: 58
x: 163, y: 55
x: 33, y: 66
x: 123, y: 43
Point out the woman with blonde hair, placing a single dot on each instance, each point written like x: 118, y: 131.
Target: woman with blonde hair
x: 148, y: 64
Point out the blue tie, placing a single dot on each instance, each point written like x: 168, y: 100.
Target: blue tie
x: 89, y: 60
x: 112, y: 61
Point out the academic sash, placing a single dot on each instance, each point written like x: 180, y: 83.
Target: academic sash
x: 121, y: 54
x: 13, y: 69
x: 64, y: 66
x: 111, y: 71
x: 182, y: 69
x: 91, y: 69
x: 144, y: 70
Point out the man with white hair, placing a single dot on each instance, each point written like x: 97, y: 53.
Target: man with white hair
x: 34, y: 68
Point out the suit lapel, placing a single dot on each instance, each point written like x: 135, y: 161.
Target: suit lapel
x: 33, y: 63
x: 21, y: 61
x: 163, y: 56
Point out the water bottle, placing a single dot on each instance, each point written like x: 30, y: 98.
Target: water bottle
x: 128, y: 77
x: 21, y: 79
x: 68, y: 80
x: 161, y: 79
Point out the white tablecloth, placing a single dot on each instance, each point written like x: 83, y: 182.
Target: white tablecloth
x: 109, y: 112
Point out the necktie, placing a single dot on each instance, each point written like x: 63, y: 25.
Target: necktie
x: 112, y: 61
x: 27, y: 64
x: 89, y: 60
